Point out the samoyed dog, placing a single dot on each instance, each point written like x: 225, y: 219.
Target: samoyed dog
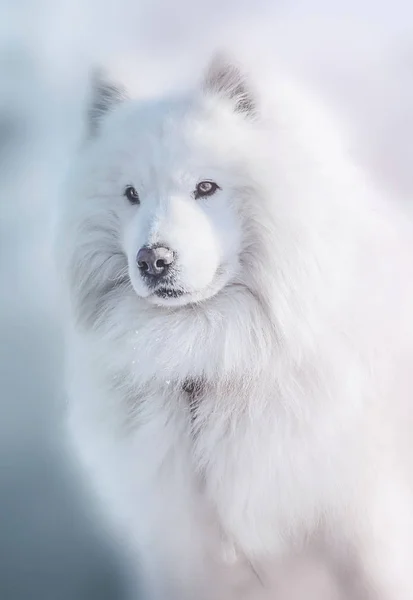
x: 240, y: 348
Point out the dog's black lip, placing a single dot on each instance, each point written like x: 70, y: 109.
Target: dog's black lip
x: 166, y: 292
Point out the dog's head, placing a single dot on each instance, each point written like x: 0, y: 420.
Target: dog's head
x: 164, y: 184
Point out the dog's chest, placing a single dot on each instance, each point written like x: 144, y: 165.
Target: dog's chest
x: 254, y: 465
x: 194, y: 391
x: 212, y: 408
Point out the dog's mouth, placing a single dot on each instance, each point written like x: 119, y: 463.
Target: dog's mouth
x: 166, y: 292
x: 172, y: 293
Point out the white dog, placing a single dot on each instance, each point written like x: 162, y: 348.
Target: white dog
x: 241, y: 344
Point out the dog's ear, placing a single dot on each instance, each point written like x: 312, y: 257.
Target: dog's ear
x: 225, y: 79
x: 104, y: 97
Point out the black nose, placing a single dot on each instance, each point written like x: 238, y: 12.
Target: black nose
x: 154, y: 262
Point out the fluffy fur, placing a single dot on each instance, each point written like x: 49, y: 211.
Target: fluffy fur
x: 268, y: 405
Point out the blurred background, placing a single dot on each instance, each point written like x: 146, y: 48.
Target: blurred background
x: 358, y: 53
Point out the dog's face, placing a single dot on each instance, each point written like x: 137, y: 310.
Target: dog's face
x: 181, y: 231
x: 169, y: 180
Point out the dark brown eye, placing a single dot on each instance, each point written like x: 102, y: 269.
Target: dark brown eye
x: 206, y: 188
x: 131, y: 194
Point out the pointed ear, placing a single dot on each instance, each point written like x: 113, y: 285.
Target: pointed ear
x: 105, y: 96
x: 223, y: 78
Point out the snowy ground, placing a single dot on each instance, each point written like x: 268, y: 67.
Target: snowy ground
x: 358, y: 52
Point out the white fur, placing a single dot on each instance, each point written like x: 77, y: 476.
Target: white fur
x: 303, y: 344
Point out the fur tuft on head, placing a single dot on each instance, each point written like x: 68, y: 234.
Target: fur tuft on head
x: 105, y: 96
x: 224, y: 79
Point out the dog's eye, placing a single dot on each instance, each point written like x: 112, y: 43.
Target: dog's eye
x: 206, y: 188
x: 131, y: 194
